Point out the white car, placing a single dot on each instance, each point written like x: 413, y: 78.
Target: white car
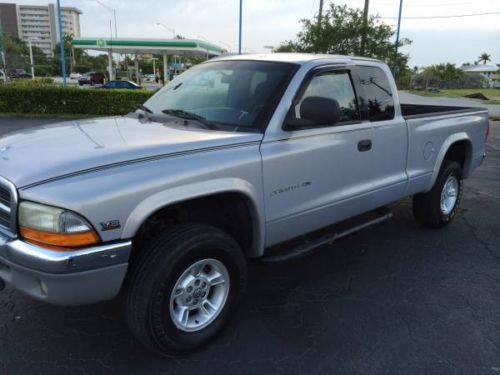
x: 74, y: 75
x: 149, y: 77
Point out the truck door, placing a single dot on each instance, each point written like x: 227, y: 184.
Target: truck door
x: 320, y: 175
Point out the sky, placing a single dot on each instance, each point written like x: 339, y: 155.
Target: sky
x: 269, y: 22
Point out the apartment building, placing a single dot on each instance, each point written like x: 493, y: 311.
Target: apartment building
x: 39, y: 23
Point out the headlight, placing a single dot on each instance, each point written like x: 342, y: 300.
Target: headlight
x: 54, y: 226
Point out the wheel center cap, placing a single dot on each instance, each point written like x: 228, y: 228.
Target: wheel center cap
x: 197, y: 293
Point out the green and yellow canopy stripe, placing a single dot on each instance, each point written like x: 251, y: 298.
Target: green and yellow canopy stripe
x: 170, y: 46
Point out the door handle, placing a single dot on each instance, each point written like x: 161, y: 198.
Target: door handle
x: 365, y: 145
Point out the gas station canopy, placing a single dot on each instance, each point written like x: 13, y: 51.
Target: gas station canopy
x: 149, y: 46
x: 165, y: 47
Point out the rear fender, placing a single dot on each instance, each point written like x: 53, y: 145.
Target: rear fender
x: 457, y: 137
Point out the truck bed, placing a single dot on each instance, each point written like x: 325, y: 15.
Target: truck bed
x: 424, y: 110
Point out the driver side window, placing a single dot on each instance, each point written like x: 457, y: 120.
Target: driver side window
x: 337, y: 86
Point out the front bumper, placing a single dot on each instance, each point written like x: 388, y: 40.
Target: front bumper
x: 64, y: 277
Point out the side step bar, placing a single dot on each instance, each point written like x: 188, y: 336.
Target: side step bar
x: 303, y: 245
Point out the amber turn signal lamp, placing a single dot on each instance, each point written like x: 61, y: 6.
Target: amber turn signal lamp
x: 64, y: 240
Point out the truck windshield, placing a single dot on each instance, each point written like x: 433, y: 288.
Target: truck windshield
x: 234, y: 94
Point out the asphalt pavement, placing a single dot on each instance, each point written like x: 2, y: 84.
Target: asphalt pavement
x: 394, y: 298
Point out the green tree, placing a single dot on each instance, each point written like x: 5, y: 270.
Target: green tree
x: 17, y: 55
x: 446, y: 76
x: 340, y: 32
x: 71, y: 56
x: 77, y: 60
x: 444, y: 72
x: 484, y: 57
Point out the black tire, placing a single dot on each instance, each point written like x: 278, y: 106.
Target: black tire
x: 427, y: 206
x: 154, y: 273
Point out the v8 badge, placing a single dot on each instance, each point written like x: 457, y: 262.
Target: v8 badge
x: 110, y: 225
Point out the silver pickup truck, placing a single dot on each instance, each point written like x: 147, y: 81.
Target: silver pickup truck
x: 239, y: 157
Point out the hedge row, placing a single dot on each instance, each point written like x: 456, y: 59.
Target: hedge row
x: 45, y: 99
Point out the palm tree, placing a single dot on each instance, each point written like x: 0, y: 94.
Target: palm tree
x: 484, y: 57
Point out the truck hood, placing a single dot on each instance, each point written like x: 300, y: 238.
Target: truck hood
x: 47, y: 152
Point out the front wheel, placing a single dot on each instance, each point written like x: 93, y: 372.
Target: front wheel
x: 184, y: 288
x: 438, y: 207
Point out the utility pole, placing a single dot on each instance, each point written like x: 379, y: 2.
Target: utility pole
x: 395, y: 68
x: 320, y: 13
x: 365, y: 27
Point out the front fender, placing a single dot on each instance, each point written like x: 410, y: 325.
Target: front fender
x: 187, y: 192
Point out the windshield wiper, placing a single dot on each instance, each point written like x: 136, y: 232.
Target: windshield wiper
x: 187, y: 115
x: 146, y: 110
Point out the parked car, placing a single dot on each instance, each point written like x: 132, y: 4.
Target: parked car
x: 92, y: 78
x: 19, y: 73
x: 75, y: 76
x: 236, y: 158
x: 121, y: 85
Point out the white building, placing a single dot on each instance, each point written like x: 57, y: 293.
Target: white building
x: 490, y: 72
x: 40, y: 24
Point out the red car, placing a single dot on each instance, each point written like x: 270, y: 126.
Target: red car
x: 92, y: 78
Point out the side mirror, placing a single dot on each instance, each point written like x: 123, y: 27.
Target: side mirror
x: 314, y: 111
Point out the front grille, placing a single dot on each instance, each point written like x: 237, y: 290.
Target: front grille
x: 8, y: 207
x: 4, y: 196
x: 4, y: 218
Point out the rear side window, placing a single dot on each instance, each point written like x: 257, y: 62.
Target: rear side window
x: 334, y: 85
x: 377, y: 97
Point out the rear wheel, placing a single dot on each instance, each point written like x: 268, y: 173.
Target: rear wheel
x: 438, y: 207
x: 184, y: 288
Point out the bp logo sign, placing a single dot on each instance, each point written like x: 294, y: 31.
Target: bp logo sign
x: 101, y: 43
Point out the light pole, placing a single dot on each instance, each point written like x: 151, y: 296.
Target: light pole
x: 167, y: 28
x: 165, y: 56
x: 111, y: 10
x: 61, y: 43
x: 110, y: 52
x: 31, y: 39
x: 241, y: 20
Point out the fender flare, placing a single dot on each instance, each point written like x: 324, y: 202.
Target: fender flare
x: 187, y: 192
x: 452, y: 139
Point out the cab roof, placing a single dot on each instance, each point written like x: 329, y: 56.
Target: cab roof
x: 297, y: 58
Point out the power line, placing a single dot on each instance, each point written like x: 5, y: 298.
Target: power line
x: 312, y: 7
x: 451, y: 16
x: 423, y: 5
